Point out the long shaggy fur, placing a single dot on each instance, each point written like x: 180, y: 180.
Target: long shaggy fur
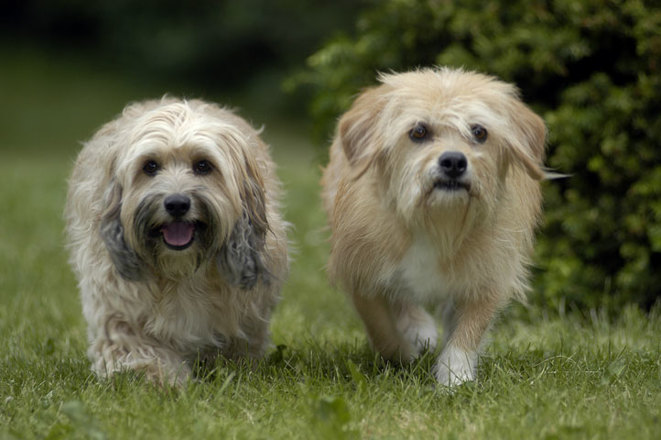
x: 153, y: 303
x: 401, y: 240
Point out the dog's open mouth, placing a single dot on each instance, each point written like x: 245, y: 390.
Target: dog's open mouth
x: 178, y: 235
x: 451, y: 185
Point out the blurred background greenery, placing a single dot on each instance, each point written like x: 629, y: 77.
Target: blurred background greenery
x: 591, y: 68
x: 68, y: 65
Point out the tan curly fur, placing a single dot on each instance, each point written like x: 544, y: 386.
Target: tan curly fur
x: 407, y: 234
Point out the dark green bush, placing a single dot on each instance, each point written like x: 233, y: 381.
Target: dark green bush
x: 592, y: 69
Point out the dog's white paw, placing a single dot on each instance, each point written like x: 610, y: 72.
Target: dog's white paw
x: 455, y: 366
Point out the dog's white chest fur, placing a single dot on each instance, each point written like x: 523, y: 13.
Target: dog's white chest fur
x: 418, y: 273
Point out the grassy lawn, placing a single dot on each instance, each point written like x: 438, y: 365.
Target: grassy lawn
x: 568, y: 377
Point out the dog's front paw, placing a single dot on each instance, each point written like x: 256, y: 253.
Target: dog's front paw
x: 455, y: 366
x: 167, y: 370
x: 418, y: 330
x: 164, y: 375
x: 420, y: 338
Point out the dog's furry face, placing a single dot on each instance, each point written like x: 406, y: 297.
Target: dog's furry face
x: 442, y: 139
x: 183, y: 190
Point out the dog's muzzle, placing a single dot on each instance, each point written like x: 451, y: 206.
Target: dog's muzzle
x: 453, y: 166
x: 179, y: 234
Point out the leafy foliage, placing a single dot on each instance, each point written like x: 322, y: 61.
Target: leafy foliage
x: 593, y: 70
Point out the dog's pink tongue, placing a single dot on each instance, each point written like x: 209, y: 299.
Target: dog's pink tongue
x: 178, y: 233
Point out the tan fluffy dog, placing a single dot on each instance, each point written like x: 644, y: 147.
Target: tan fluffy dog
x: 433, y: 195
x: 175, y: 238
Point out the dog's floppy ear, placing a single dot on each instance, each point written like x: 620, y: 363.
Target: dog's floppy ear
x: 126, y: 261
x: 357, y: 130
x: 241, y: 257
x: 529, y: 141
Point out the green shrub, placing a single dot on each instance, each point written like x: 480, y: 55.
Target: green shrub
x: 592, y: 69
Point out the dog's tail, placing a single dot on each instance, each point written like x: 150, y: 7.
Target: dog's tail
x: 549, y: 174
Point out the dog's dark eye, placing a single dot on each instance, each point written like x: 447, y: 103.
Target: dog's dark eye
x: 202, y: 167
x: 151, y: 167
x: 419, y: 133
x: 480, y: 133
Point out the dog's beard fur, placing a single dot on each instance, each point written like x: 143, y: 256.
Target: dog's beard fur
x: 132, y: 231
x: 148, y: 241
x: 221, y: 235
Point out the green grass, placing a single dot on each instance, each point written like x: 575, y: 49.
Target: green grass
x: 565, y: 377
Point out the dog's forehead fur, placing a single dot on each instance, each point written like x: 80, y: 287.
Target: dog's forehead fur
x: 180, y: 132
x: 447, y: 99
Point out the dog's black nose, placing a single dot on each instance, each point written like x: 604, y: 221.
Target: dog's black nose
x: 453, y: 164
x: 177, y: 204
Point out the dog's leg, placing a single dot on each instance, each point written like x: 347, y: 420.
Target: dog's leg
x: 416, y: 326
x: 253, y: 343
x: 466, y: 322
x: 120, y: 349
x: 449, y: 320
x: 380, y: 319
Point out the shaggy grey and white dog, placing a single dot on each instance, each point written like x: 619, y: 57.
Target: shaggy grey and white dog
x: 176, y: 239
